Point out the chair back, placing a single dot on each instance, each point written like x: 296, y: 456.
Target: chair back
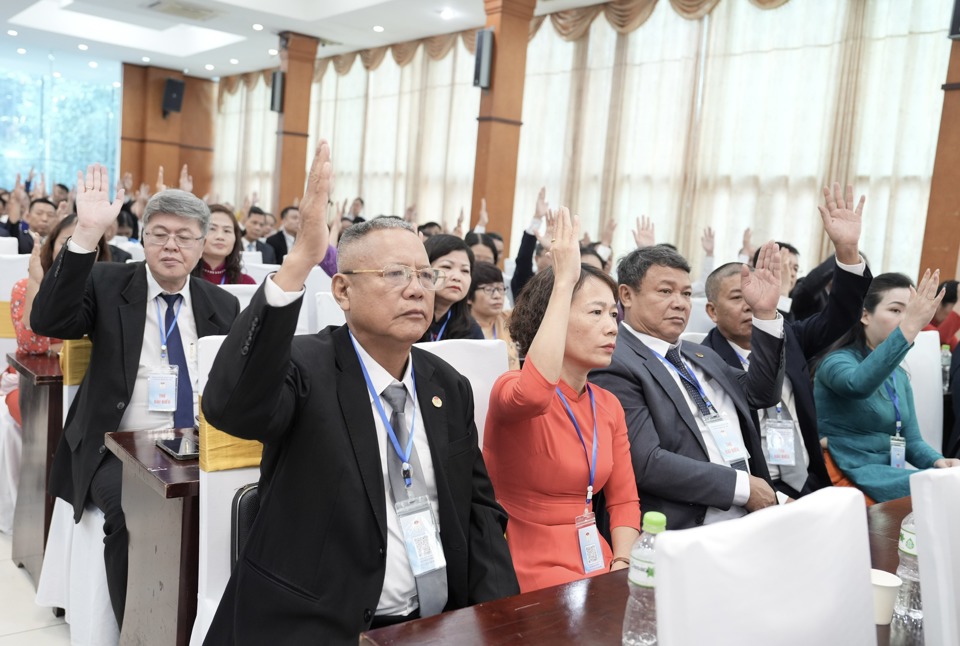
x: 252, y: 257
x: 481, y: 362
x: 922, y: 363
x: 934, y: 494
x: 9, y: 246
x: 246, y: 506
x: 806, y: 564
x: 699, y: 321
x: 259, y: 271
x: 135, y: 249
x: 318, y: 281
x: 243, y: 293
x: 13, y: 267
x: 328, y: 311
x: 693, y: 337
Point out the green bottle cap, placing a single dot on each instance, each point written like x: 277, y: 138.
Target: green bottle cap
x: 654, y: 522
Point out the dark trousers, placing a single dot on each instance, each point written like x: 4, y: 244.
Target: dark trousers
x: 105, y: 494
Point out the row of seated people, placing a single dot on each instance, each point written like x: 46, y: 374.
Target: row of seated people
x: 675, y: 428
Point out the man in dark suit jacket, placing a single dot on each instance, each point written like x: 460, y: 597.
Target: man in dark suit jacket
x: 804, y: 339
x: 676, y: 441
x: 282, y: 240
x: 254, y: 226
x: 120, y: 307
x: 325, y: 558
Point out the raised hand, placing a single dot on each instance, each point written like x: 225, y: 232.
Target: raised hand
x: 565, y: 247
x: 17, y: 197
x: 843, y: 222
x: 585, y: 239
x: 34, y: 268
x: 39, y: 189
x: 747, y: 249
x: 127, y: 182
x: 546, y: 238
x: 341, y: 209
x: 458, y: 229
x: 160, y: 185
x: 923, y: 304
x: 606, y: 235
x: 644, y: 234
x: 410, y: 215
x: 335, y: 228
x: 63, y: 209
x: 314, y: 237
x: 708, y: 242
x: 484, y: 217
x: 761, y: 287
x: 542, y: 207
x: 95, y: 212
x: 186, y: 180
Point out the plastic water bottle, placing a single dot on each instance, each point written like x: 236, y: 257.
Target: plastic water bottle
x: 640, y: 620
x: 945, y: 358
x: 907, y: 625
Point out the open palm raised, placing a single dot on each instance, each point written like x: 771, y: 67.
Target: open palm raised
x: 95, y: 211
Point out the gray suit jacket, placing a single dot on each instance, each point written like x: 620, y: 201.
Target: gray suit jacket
x: 670, y: 460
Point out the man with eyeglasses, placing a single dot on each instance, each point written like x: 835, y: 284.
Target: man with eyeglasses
x: 144, y: 319
x: 376, y: 507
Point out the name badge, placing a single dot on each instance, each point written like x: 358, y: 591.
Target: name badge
x: 591, y: 552
x: 898, y: 452
x: 730, y: 445
x: 779, y: 434
x: 162, y: 389
x: 420, y: 535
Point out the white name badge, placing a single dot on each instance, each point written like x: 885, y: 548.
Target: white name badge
x: 781, y: 448
x: 420, y: 535
x: 162, y: 389
x: 729, y: 443
x: 591, y: 551
x: 898, y: 452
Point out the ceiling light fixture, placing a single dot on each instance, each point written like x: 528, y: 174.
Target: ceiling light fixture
x: 21, y: 51
x: 234, y: 61
x: 82, y: 47
x: 377, y: 28
x: 93, y: 64
x: 11, y: 32
x: 208, y: 67
x: 272, y: 52
x: 446, y: 13
x: 257, y: 27
x: 145, y: 59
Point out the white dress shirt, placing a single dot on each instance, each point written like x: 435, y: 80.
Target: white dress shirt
x: 289, y: 238
x: 398, y: 596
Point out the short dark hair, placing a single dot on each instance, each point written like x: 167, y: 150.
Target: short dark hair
x: 532, y: 302
x: 62, y: 187
x: 783, y: 245
x: 359, y: 199
x: 495, y: 235
x: 426, y: 226
x: 950, y: 289
x: 591, y: 250
x: 483, y: 274
x: 717, y: 276
x: 220, y: 208
x: 287, y: 209
x: 255, y: 210
x: 460, y: 321
x: 633, y: 267
x: 42, y: 200
x: 473, y: 238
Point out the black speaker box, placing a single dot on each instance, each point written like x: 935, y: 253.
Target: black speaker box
x: 172, y: 96
x: 276, y: 91
x: 484, y: 60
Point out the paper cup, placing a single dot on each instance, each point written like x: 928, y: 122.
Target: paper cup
x: 885, y: 588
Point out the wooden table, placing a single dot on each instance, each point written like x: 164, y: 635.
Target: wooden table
x: 41, y: 410
x: 588, y: 611
x: 161, y: 505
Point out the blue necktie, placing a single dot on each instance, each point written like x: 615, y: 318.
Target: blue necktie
x: 183, y: 416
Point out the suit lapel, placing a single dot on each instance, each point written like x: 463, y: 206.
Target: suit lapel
x: 354, y: 402
x: 722, y: 347
x: 133, y: 318
x: 430, y: 399
x: 203, y: 312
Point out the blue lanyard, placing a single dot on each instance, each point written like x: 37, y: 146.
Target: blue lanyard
x: 895, y: 398
x: 223, y: 278
x: 494, y: 330
x: 745, y: 362
x: 593, y: 460
x: 164, y: 333
x: 404, y: 455
x: 443, y: 327
x: 693, y: 381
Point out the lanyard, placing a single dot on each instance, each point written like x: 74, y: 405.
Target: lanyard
x: 494, y: 330
x: 693, y: 381
x: 593, y: 460
x: 744, y: 361
x: 223, y: 278
x: 164, y: 333
x: 895, y: 398
x: 404, y: 455
x: 444, y: 326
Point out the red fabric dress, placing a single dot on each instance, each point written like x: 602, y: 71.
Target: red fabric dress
x: 947, y: 329
x: 27, y: 341
x: 540, y: 472
x: 217, y: 275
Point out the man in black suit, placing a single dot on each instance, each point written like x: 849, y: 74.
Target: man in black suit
x: 254, y: 227
x: 144, y: 320
x: 41, y: 218
x: 795, y: 459
x: 282, y: 240
x: 330, y: 553
x: 696, y: 452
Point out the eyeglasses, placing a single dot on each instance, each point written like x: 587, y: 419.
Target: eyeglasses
x: 160, y: 239
x: 399, y: 276
x: 492, y: 290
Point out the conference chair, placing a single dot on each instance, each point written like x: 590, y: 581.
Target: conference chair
x: 135, y: 249
x: 259, y: 271
x: 699, y: 320
x: 804, y: 568
x: 9, y: 246
x: 11, y: 443
x: 243, y: 292
x: 922, y: 364
x: 934, y: 494
x: 252, y: 258
x: 481, y: 362
x: 693, y: 337
x: 328, y: 311
x: 13, y: 267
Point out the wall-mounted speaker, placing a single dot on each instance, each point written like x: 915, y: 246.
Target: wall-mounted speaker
x: 276, y: 91
x: 484, y: 60
x: 955, y: 21
x: 172, y: 96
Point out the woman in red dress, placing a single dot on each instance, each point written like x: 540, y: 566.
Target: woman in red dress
x: 222, y: 251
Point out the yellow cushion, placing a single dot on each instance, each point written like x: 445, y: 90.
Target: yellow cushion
x: 74, y: 360
x: 6, y: 322
x: 220, y: 451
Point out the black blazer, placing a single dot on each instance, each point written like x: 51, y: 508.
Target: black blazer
x: 267, y: 251
x: 108, y: 302
x: 670, y: 459
x: 804, y: 340
x: 313, y: 568
x: 24, y: 239
x: 279, y: 245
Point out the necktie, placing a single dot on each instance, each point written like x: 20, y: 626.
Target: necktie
x: 794, y: 474
x: 431, y: 586
x: 183, y: 416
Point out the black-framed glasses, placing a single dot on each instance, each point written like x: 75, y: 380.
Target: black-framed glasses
x: 160, y: 239
x: 492, y: 290
x: 400, y: 275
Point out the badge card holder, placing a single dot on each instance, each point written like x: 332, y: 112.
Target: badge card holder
x: 591, y: 552
x: 779, y: 434
x: 731, y: 447
x: 898, y: 451
x: 162, y: 389
x: 420, y: 535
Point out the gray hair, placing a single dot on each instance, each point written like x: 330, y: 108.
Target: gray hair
x: 633, y: 267
x: 180, y: 203
x: 354, y: 233
x: 717, y: 276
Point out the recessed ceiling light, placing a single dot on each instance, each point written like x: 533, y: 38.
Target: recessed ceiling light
x: 234, y: 61
x: 377, y: 28
x: 93, y: 64
x: 56, y: 75
x: 446, y: 13
x: 145, y: 59
x: 11, y: 32
x: 272, y: 52
x: 208, y: 67
x: 257, y: 27
x: 21, y: 50
x: 82, y: 47
x: 117, y: 84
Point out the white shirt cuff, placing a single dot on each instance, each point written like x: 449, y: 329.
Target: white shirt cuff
x: 479, y: 229
x: 782, y: 498
x: 75, y: 248
x: 603, y: 251
x: 785, y: 303
x: 857, y: 269
x: 742, y: 493
x: 534, y: 227
x: 773, y: 328
x: 276, y: 297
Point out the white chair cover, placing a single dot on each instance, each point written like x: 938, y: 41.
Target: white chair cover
x: 699, y: 321
x: 216, y: 494
x: 482, y: 362
x: 934, y: 494
x: 13, y: 267
x: 318, y: 281
x: 243, y: 292
x: 252, y: 258
x: 135, y: 249
x: 9, y: 246
x: 797, y: 574
x: 328, y: 311
x: 259, y: 271
x: 693, y: 337
x: 922, y: 363
x: 11, y: 445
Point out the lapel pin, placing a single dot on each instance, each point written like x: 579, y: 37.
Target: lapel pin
x: 437, y: 402
x: 698, y: 355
